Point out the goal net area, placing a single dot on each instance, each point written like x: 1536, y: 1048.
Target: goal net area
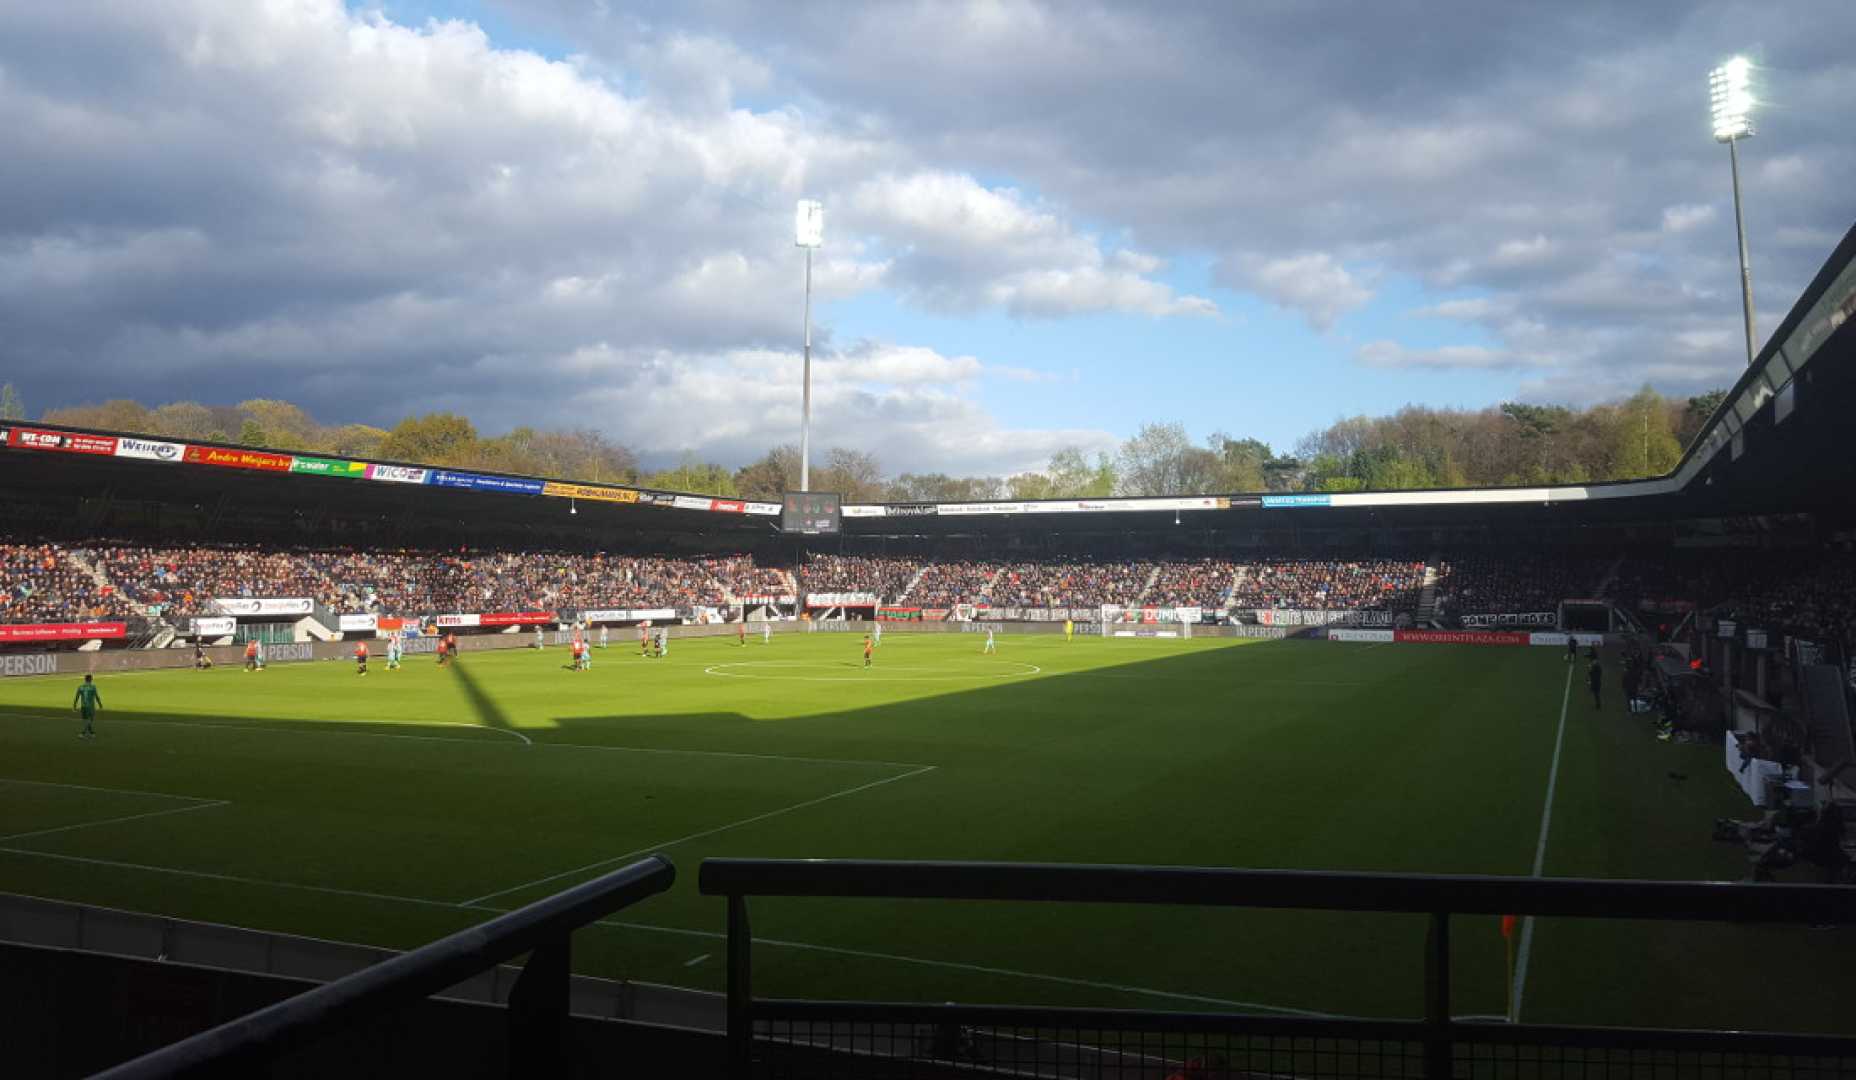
x: 1147, y: 622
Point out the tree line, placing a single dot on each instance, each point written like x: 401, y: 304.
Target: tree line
x: 1416, y: 447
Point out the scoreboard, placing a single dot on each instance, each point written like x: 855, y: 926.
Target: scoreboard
x: 811, y: 513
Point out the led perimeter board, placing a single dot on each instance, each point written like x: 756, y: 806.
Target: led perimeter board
x: 811, y: 513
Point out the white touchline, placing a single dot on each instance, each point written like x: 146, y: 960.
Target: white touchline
x: 1540, y: 852
x: 473, y: 901
x: 115, y: 820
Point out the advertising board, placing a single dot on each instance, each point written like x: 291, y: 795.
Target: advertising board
x: 237, y: 459
x: 508, y: 485
x: 78, y: 631
x: 28, y: 664
x: 591, y: 492
x: 315, y: 466
x: 62, y: 441
x: 516, y: 618
x: 253, y: 607
x: 398, y: 474
x: 149, y: 449
x: 1460, y: 637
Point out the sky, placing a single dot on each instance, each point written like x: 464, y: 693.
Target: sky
x: 1047, y: 223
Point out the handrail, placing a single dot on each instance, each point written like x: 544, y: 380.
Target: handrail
x: 542, y: 928
x: 1439, y: 897
x: 1460, y: 894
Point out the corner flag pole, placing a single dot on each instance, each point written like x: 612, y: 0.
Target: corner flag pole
x: 1508, y: 925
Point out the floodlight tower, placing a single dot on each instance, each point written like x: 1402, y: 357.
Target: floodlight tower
x: 1730, y: 92
x: 808, y: 233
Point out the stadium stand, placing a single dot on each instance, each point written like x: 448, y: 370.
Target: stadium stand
x: 1331, y: 584
x: 885, y: 576
x: 1069, y: 583
x: 1204, y: 583
x: 39, y: 583
x: 1525, y: 581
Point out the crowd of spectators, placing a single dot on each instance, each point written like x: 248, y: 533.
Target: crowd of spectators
x: 1089, y: 583
x: 946, y: 583
x: 180, y: 581
x: 1330, y: 584
x: 1204, y: 583
x: 880, y: 575
x: 1514, y: 584
x: 408, y: 583
x: 39, y: 584
x: 741, y: 575
x: 1798, y: 593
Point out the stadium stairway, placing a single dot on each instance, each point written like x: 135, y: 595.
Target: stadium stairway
x: 1427, y: 592
x: 914, y: 581
x: 1153, y: 575
x: 1611, y: 573
x: 91, y: 571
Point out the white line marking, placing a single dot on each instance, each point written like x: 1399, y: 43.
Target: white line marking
x: 479, y: 742
x: 650, y: 848
x: 876, y: 674
x: 301, y: 731
x: 711, y: 935
x: 478, y: 727
x: 1221, y: 681
x: 115, y: 820
x: 737, y: 754
x: 698, y: 960
x: 982, y: 969
x: 1540, y: 853
x: 111, y: 790
x: 233, y: 878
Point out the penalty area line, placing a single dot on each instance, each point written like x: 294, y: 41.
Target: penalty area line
x: 650, y: 848
x: 207, y: 805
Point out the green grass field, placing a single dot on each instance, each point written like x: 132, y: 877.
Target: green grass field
x: 395, y: 808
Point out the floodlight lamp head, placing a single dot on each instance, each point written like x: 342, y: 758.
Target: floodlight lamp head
x: 809, y: 223
x: 1730, y: 97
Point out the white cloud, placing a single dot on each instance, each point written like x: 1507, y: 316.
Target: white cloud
x: 1469, y: 309
x: 1523, y: 251
x: 1686, y: 216
x: 958, y: 245
x: 1314, y: 284
x: 903, y: 403
x: 1391, y: 354
x: 320, y: 191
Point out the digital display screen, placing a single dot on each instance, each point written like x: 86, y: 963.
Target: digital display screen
x: 811, y: 513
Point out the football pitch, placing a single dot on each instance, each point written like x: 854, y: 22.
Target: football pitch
x: 394, y: 808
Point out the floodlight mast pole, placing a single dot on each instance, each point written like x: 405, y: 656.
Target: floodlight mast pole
x: 808, y: 233
x: 805, y: 412
x: 1746, y: 265
x: 1730, y: 94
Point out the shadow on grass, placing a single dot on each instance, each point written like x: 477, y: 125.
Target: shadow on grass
x: 489, y: 713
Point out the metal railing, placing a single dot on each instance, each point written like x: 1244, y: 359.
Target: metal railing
x: 771, y: 1037
x: 537, y: 1011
